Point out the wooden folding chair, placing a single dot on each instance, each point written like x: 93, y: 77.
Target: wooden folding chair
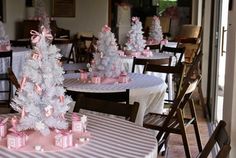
x: 120, y: 96
x: 174, y: 122
x: 219, y: 137
x: 143, y: 62
x: 74, y: 67
x: 176, y: 52
x: 4, y: 79
x: 176, y: 71
x: 128, y: 111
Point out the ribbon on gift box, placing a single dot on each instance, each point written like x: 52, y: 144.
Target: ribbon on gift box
x: 4, y: 121
x: 75, y: 117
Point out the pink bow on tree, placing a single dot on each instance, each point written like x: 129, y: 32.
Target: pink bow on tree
x: 36, y: 36
x: 106, y: 29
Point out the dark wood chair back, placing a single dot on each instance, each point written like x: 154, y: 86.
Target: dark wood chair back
x: 142, y: 61
x: 129, y: 111
x: 72, y: 50
x: 122, y: 96
x: 7, y: 55
x: 177, y: 52
x: 19, y: 43
x: 74, y: 67
x: 177, y: 72
x: 13, y: 78
x: 219, y: 137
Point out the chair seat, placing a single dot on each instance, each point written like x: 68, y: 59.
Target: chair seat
x: 155, y: 121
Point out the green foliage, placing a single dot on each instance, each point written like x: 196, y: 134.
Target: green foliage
x: 163, y: 4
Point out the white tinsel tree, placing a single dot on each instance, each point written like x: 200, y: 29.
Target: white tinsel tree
x: 41, y: 99
x: 155, y: 33
x: 135, y: 42
x: 3, y: 36
x: 107, y: 62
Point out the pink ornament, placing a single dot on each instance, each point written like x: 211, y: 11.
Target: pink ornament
x: 22, y: 84
x: 64, y: 139
x: 62, y: 98
x: 38, y: 89
x: 48, y: 110
x: 22, y: 113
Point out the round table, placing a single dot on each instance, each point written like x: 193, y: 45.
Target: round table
x: 110, y: 138
x: 148, y: 90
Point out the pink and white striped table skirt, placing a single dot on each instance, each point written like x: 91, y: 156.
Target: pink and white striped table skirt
x: 110, y: 138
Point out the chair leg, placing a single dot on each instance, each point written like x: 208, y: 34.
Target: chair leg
x: 183, y: 133
x: 163, y: 141
x: 195, y: 125
x: 202, y: 102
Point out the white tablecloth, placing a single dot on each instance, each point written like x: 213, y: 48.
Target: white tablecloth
x: 128, y: 62
x: 110, y: 138
x: 148, y: 90
x: 18, y: 59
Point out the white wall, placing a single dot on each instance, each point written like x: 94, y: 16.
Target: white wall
x: 15, y: 12
x: 91, y: 16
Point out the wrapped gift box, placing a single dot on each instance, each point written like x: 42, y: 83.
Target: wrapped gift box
x: 96, y: 79
x: 64, y: 139
x: 123, y: 79
x: 3, y: 127
x: 83, y: 76
x: 16, y: 140
x: 77, y: 125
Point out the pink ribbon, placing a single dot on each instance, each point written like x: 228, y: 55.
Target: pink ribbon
x: 46, y: 33
x: 4, y: 121
x: 35, y: 38
x: 106, y: 29
x: 75, y: 117
x: 63, y: 132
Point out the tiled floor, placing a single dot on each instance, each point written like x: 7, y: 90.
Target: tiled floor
x: 175, y: 145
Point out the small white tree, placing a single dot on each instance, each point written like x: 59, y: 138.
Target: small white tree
x: 3, y: 36
x: 41, y: 100
x: 107, y: 62
x: 155, y: 33
x: 135, y: 42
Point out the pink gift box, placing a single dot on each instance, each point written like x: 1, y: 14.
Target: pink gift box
x: 3, y: 130
x: 64, y: 139
x: 123, y: 79
x: 3, y: 127
x: 83, y: 76
x: 77, y: 126
x: 147, y: 53
x: 16, y: 140
x: 96, y: 79
x: 5, y: 48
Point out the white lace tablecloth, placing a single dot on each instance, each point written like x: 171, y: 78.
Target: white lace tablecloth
x: 148, y: 90
x: 18, y: 59
x: 110, y: 138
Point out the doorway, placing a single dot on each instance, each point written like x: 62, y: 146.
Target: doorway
x: 216, y: 74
